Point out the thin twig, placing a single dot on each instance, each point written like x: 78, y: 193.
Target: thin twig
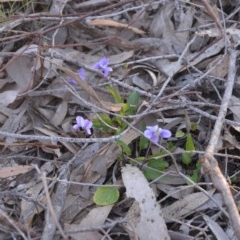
x: 61, y: 139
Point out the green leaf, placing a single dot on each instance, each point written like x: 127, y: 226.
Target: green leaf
x: 105, y: 118
x: 124, y: 109
x: 126, y: 149
x: 116, y: 95
x: 133, y: 98
x: 106, y: 195
x: 189, y: 143
x: 140, y: 159
x: 119, y: 122
x: 186, y: 158
x: 194, y: 126
x: 195, y: 176
x: 151, y: 174
x: 179, y: 134
x: 156, y: 166
x: 234, y: 179
x: 97, y: 123
x: 133, y: 101
x: 143, y: 143
x: 170, y: 146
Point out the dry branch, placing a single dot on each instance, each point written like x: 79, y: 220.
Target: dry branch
x: 210, y: 164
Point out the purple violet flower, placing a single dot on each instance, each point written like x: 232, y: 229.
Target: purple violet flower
x: 81, y: 74
x: 103, y: 65
x: 154, y: 133
x: 85, y: 124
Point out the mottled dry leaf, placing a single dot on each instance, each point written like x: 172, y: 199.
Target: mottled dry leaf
x: 148, y: 223
x: 6, y: 172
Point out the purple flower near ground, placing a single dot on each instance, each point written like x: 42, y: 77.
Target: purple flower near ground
x: 81, y: 74
x: 154, y: 133
x: 85, y: 124
x: 103, y: 65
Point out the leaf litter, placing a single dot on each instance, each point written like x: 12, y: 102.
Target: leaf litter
x: 174, y: 57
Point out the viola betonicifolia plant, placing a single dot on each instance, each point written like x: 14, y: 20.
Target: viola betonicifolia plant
x: 153, y: 133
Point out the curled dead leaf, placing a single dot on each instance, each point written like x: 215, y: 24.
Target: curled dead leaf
x: 111, y: 23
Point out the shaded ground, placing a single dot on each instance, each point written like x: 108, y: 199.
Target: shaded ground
x: 81, y: 82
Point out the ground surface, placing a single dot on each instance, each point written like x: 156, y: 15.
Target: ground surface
x: 141, y: 97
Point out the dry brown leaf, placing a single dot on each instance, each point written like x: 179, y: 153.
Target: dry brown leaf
x: 111, y: 23
x: 129, y: 136
x: 94, y: 169
x: 185, y: 206
x: 217, y: 201
x: 8, y: 97
x: 95, y: 218
x: 74, y: 204
x: 234, y: 32
x: 91, y: 4
x: 20, y: 70
x: 6, y: 172
x: 162, y: 26
x: 231, y: 139
x: 29, y: 208
x: 216, y: 228
x: 175, y: 192
x: 11, y: 0
x: 234, y: 106
x: 94, y: 235
x: 121, y: 57
x: 171, y: 176
x: 179, y: 236
x: 221, y: 69
x: 60, y: 114
x: 170, y: 69
x: 50, y: 133
x: 147, y: 222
